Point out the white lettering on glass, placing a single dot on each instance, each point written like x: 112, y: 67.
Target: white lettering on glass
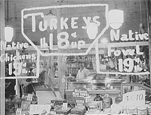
x: 115, y: 36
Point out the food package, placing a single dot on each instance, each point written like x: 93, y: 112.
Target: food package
x: 78, y: 110
x: 92, y: 112
x: 94, y: 105
x: 63, y: 111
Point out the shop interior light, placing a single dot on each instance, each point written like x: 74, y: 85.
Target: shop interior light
x: 9, y: 33
x: 92, y: 30
x: 116, y: 18
x: 104, y: 40
x: 49, y: 17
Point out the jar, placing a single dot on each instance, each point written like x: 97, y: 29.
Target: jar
x: 98, y: 98
x: 132, y: 110
x: 149, y: 109
x: 118, y: 99
x: 142, y: 110
x: 107, y: 102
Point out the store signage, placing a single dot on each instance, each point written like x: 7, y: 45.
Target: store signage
x: 15, y: 66
x: 129, y: 64
x: 7, y: 57
x: 127, y: 60
x: 13, y: 45
x: 80, y: 95
x: 115, y: 35
x: 125, y: 52
x: 18, y: 65
x: 72, y: 34
x: 136, y: 98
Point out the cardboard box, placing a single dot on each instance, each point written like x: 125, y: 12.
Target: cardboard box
x: 78, y: 110
x: 63, y: 111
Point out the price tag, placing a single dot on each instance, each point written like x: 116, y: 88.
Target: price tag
x: 136, y: 98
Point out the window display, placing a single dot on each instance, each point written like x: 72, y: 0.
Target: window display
x: 67, y: 58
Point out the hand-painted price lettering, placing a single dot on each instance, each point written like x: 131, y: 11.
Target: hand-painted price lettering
x: 17, y: 68
x: 63, y: 41
x: 135, y: 97
x: 140, y: 97
x: 127, y: 65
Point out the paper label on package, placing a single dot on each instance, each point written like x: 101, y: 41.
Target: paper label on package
x: 80, y: 95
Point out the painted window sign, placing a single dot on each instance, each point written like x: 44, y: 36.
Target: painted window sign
x: 13, y: 45
x: 132, y: 61
x: 115, y: 35
x: 128, y: 60
x: 11, y: 57
x: 21, y: 65
x: 18, y: 63
x: 67, y: 31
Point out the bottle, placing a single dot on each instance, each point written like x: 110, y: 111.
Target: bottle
x: 100, y: 99
x: 118, y: 99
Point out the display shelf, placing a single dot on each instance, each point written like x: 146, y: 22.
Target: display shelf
x: 135, y: 85
x: 73, y: 63
x: 113, y: 91
x: 92, y: 93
